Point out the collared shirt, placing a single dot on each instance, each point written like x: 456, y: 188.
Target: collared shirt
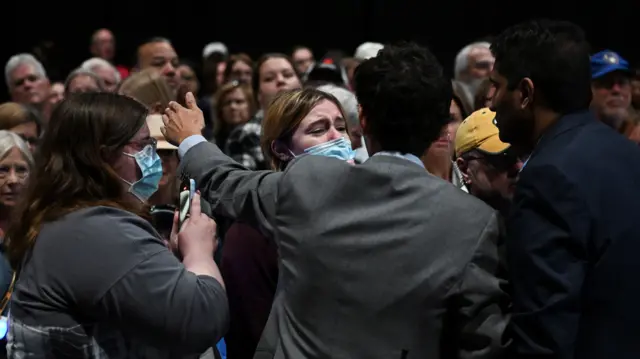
x: 406, y: 156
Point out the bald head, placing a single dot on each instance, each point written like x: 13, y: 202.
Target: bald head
x: 103, y: 44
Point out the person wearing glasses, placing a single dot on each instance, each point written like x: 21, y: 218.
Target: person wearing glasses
x: 94, y: 278
x: 489, y: 166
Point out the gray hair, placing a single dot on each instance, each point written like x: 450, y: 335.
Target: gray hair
x: 347, y: 100
x: 462, y: 58
x: 82, y: 72
x: 95, y: 62
x: 21, y: 59
x: 9, y: 140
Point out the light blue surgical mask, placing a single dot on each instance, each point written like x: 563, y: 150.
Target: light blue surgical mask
x: 339, y: 148
x: 151, y: 167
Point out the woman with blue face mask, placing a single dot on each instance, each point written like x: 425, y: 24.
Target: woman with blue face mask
x: 112, y: 288
x: 298, y: 123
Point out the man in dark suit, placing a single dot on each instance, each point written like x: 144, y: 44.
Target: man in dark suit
x: 573, y: 235
x: 379, y: 260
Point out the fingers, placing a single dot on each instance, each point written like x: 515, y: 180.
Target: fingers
x: 195, y: 209
x: 191, y: 101
x: 176, y: 223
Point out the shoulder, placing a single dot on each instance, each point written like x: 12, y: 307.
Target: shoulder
x: 99, y: 227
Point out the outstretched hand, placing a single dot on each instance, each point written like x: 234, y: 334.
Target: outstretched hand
x: 181, y: 122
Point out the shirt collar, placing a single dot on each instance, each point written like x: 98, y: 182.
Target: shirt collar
x: 407, y: 156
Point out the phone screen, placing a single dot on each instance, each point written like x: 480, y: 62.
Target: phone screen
x: 187, y: 190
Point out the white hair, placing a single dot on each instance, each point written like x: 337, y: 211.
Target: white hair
x: 462, y: 59
x: 21, y: 59
x: 347, y: 100
x: 95, y: 62
x: 9, y: 140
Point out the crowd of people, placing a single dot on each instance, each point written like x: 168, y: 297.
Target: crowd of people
x: 363, y: 206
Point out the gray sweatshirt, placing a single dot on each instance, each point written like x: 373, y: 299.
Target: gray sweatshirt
x: 99, y: 283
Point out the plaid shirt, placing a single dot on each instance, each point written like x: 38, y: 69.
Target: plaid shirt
x: 243, y: 144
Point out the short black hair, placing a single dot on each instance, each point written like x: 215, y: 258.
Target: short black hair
x: 404, y: 96
x: 554, y: 55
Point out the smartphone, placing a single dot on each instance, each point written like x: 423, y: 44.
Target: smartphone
x: 187, y: 190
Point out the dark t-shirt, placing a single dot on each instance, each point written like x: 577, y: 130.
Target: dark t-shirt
x: 105, y: 271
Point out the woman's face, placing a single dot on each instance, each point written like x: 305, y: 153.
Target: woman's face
x: 456, y: 119
x: 29, y: 133
x: 276, y: 75
x: 242, y: 72
x: 189, y: 78
x: 235, y: 108
x: 323, y: 124
x: 14, y: 171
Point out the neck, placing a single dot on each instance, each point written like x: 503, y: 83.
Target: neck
x: 438, y: 164
x: 544, y: 119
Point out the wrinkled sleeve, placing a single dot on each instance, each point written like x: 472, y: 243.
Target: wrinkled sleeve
x: 546, y: 251
x: 162, y: 301
x: 482, y: 302
x: 232, y: 190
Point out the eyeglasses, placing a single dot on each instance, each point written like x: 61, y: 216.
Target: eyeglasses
x: 145, y: 142
x: 20, y: 171
x: 500, y: 162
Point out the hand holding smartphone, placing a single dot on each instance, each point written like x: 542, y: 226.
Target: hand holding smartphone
x: 187, y: 190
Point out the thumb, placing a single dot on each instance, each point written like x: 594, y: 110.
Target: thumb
x: 191, y: 101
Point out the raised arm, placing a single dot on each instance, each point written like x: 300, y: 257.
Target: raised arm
x: 232, y: 190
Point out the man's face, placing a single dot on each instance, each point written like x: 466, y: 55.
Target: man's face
x: 514, y: 115
x: 162, y: 57
x: 635, y: 92
x: 480, y: 63
x: 611, y: 97
x: 108, y: 78
x: 491, y: 176
x: 27, y: 86
x: 302, y: 59
x: 103, y: 45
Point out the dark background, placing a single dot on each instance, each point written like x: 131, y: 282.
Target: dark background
x: 265, y: 26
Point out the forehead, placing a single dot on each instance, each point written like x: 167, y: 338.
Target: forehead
x: 143, y: 132
x: 158, y: 49
x: 304, y: 52
x: 103, y: 71
x: 275, y: 64
x: 480, y: 52
x: 104, y: 35
x: 23, y: 70
x: 324, y: 108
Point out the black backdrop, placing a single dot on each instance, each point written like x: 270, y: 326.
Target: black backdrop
x: 261, y: 26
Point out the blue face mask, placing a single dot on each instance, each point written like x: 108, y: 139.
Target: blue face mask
x: 339, y: 148
x: 151, y: 167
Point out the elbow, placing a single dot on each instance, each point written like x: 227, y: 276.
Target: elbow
x: 209, y: 317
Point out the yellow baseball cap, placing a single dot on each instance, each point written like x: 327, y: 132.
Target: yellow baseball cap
x: 479, y: 131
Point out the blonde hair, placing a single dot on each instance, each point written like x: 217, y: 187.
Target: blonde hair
x: 149, y: 88
x: 13, y: 114
x: 284, y: 115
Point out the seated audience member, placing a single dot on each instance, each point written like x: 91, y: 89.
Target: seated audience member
x: 378, y: 260
x: 82, y: 80
x: 297, y: 122
x: 113, y: 289
x: 21, y: 120
x: 16, y: 162
x: 235, y: 105
x: 489, y: 166
x: 108, y: 73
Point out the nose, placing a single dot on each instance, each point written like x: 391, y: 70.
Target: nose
x: 169, y: 70
x: 12, y: 177
x: 333, y: 134
x: 280, y: 80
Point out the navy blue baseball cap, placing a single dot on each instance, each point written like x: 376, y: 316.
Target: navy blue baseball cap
x: 607, y: 61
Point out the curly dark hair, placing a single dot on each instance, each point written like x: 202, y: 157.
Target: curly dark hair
x: 404, y: 96
x: 554, y: 55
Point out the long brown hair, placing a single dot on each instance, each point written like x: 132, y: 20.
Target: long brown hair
x: 220, y: 127
x: 71, y: 168
x: 285, y: 114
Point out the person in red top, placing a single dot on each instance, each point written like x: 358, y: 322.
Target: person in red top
x: 103, y: 44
